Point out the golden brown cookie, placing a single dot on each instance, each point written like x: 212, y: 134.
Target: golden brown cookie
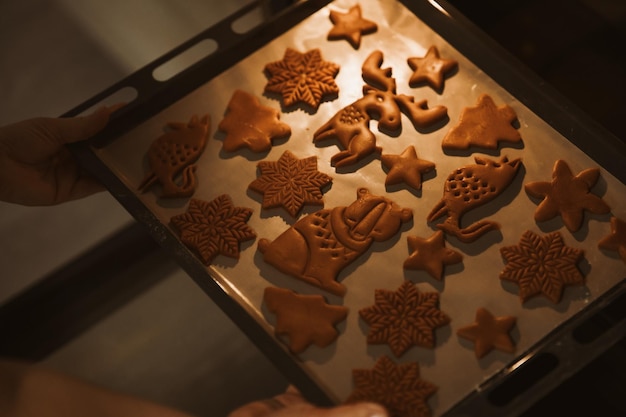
x: 469, y: 187
x: 248, y: 124
x: 484, y: 126
x: 404, y: 318
x: 616, y: 241
x: 318, y: 246
x: 350, y: 26
x: 304, y: 319
x: 174, y: 153
x: 430, y: 69
x: 430, y: 255
x: 398, y: 388
x: 291, y: 183
x: 406, y: 167
x: 542, y: 265
x: 567, y: 196
x: 214, y: 228
x: 302, y: 78
x: 489, y: 332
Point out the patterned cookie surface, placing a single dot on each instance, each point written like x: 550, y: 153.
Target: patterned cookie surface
x: 399, y: 388
x: 214, y: 228
x: 302, y: 78
x: 404, y: 318
x: 542, y: 265
x: 291, y: 183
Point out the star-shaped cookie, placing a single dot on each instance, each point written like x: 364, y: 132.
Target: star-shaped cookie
x: 430, y: 254
x: 290, y: 183
x: 249, y: 124
x: 404, y: 318
x: 542, y: 265
x: 430, y: 69
x: 483, y: 125
x: 616, y: 241
x: 305, y: 319
x: 302, y: 78
x: 489, y: 332
x: 567, y: 196
x: 214, y: 228
x: 406, y: 167
x: 398, y: 388
x: 350, y: 26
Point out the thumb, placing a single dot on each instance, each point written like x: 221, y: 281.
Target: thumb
x: 350, y: 410
x: 74, y: 129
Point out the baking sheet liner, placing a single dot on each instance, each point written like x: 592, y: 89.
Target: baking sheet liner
x: 451, y: 365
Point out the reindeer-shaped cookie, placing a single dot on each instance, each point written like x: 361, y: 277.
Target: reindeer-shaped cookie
x: 174, y: 152
x: 350, y: 126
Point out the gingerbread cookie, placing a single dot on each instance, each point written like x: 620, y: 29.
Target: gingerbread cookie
x: 248, y: 124
x: 404, y: 318
x: 542, y: 265
x: 406, y: 167
x: 318, y: 246
x: 484, y: 126
x: 350, y: 125
x: 350, y: 26
x: 290, y: 183
x: 174, y: 153
x: 616, y: 241
x: 489, y: 332
x: 430, y: 255
x: 302, y: 78
x: 469, y: 187
x: 567, y: 196
x: 430, y: 69
x: 214, y: 228
x: 305, y: 319
x: 398, y: 388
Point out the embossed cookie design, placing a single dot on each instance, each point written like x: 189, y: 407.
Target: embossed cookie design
x: 567, y: 196
x: 174, y: 152
x: 484, y: 125
x: 399, y: 388
x: 304, y: 319
x: 249, y: 124
x: 318, y: 246
x: 290, y: 183
x: 302, y: 78
x: 350, y: 26
x: 469, y: 187
x: 214, y: 228
x: 542, y: 265
x: 404, y: 318
x: 350, y: 126
x: 489, y: 332
x: 430, y: 69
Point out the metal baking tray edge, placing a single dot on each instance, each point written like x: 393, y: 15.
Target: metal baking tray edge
x: 513, y: 76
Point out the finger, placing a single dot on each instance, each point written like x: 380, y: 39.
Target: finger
x: 74, y: 129
x: 351, y: 410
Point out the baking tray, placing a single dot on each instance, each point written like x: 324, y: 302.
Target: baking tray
x: 548, y: 348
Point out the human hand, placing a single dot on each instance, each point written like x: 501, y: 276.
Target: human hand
x: 292, y: 404
x: 37, y: 169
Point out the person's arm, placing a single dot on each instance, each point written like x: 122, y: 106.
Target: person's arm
x: 36, y: 168
x: 32, y: 391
